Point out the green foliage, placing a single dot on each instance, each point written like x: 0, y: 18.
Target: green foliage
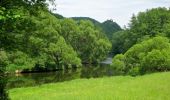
x: 119, y: 63
x: 108, y: 27
x: 153, y: 22
x: 147, y: 56
x: 139, y: 51
x: 118, y: 42
x: 58, y: 16
x: 3, y: 61
x: 91, y: 45
x: 95, y: 22
x: 156, y: 61
x: 34, y: 38
x: 34, y: 41
x: 19, y: 60
x: 150, y: 22
x: 143, y: 49
x: 47, y: 46
x: 95, y: 44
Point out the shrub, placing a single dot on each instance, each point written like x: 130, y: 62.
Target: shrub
x: 148, y: 56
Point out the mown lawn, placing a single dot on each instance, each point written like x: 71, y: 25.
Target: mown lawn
x: 148, y: 87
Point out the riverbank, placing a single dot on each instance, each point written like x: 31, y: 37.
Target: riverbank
x: 148, y: 87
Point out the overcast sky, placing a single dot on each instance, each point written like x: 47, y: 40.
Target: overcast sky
x: 118, y: 10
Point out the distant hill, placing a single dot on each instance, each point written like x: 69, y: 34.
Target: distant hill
x: 58, y: 15
x: 108, y: 27
x: 95, y: 22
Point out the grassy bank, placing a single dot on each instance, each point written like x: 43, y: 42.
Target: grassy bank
x: 148, y: 87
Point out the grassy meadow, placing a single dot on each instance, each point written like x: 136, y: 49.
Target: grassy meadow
x: 148, y: 87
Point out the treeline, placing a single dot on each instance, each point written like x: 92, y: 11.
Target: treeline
x: 108, y: 27
x: 32, y: 38
x: 144, y: 46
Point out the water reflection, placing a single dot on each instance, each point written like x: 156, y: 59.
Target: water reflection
x: 3, y: 91
x: 34, y: 79
x: 95, y: 71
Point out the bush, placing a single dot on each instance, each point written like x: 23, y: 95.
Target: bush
x: 118, y: 63
x: 148, y: 56
x: 156, y: 60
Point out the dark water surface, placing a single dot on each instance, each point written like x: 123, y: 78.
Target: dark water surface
x: 35, y: 79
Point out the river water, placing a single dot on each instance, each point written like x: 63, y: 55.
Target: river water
x: 35, y: 79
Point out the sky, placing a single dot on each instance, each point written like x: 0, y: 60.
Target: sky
x: 119, y: 11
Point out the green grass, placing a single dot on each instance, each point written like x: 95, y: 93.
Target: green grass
x: 148, y: 87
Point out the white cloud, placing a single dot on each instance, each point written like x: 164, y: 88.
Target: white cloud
x: 101, y: 10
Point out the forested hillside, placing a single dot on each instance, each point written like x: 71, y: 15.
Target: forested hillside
x: 108, y: 27
x: 32, y: 38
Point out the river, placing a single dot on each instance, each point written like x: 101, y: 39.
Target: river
x: 86, y: 71
x: 34, y: 79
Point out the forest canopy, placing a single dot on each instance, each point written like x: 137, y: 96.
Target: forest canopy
x: 144, y: 46
x: 33, y: 38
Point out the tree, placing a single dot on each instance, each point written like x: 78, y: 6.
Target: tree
x: 147, y: 56
x: 90, y: 44
x: 3, y: 61
x: 119, y: 63
x: 151, y: 23
x: 35, y: 42
x: 156, y: 60
x: 119, y: 42
x: 33, y: 38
